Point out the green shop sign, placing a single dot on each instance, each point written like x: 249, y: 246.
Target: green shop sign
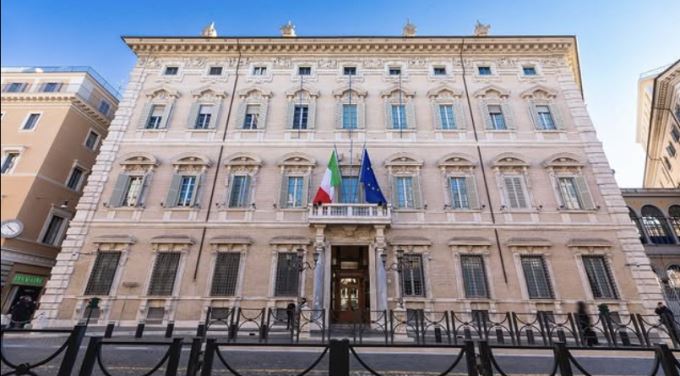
x: 28, y: 280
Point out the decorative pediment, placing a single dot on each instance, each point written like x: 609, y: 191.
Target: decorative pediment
x: 287, y: 240
x: 528, y: 242
x: 539, y: 91
x: 394, y: 91
x: 114, y: 239
x: 469, y: 241
x: 172, y: 239
x: 588, y: 242
x: 226, y: 239
x: 409, y: 241
x: 444, y: 91
x: 139, y: 159
x: 456, y: 160
x: 295, y: 91
x: 403, y: 159
x: 191, y: 159
x: 492, y: 90
x: 163, y: 91
x: 243, y: 159
x: 297, y: 159
x: 356, y: 90
x: 563, y: 160
x: 254, y: 92
x: 509, y: 160
x: 208, y: 91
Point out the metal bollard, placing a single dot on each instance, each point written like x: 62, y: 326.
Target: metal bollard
x: 72, y: 349
x: 232, y: 332
x: 470, y: 358
x: 530, y: 337
x: 109, y: 330
x: 485, y: 367
x: 562, y: 357
x: 175, y: 352
x: 667, y: 360
x: 140, y: 330
x: 200, y: 330
x: 263, y: 332
x: 338, y: 360
x: 193, y: 364
x: 438, y: 334
x: 90, y: 358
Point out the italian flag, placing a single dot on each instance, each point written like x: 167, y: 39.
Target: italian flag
x: 331, y: 180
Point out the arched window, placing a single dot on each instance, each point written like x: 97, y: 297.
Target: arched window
x: 674, y: 218
x: 655, y: 225
x: 638, y: 225
x: 673, y: 273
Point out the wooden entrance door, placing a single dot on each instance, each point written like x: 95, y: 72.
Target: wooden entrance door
x: 350, y: 299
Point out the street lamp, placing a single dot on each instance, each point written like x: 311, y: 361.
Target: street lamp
x: 298, y: 262
x: 399, y: 268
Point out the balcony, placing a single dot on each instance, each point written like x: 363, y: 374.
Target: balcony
x: 369, y: 214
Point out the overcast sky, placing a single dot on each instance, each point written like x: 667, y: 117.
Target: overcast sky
x: 618, y: 40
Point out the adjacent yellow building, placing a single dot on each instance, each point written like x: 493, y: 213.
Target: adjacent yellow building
x: 53, y: 122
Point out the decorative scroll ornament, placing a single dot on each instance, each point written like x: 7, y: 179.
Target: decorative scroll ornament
x: 482, y: 30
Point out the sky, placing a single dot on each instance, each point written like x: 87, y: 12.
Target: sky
x: 618, y: 40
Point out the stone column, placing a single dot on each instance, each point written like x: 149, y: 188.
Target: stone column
x: 380, y: 273
x: 318, y: 293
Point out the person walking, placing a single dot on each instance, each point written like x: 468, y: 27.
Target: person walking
x: 668, y: 320
x: 22, y: 312
x: 585, y: 325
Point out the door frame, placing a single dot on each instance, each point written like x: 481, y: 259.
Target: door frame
x: 364, y: 273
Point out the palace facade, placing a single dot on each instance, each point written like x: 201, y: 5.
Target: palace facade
x: 500, y: 196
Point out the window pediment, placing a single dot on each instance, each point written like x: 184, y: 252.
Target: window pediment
x: 444, y: 91
x: 398, y: 241
x: 509, y: 160
x: 345, y: 90
x: 588, y: 243
x: 243, y: 159
x: 254, y: 92
x: 563, y: 160
x: 539, y: 91
x: 492, y: 90
x: 114, y: 239
x: 189, y: 159
x: 162, y: 92
x: 306, y: 92
x: 403, y: 159
x: 528, y: 242
x: 231, y: 240
x: 394, y: 92
x: 297, y: 159
x: 290, y: 240
x: 469, y: 241
x: 173, y: 239
x: 208, y: 92
x: 456, y: 160
x: 139, y: 159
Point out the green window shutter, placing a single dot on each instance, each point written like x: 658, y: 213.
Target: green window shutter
x: 173, y: 191
x: 471, y: 185
x: 283, y: 193
x: 195, y: 199
x: 193, y: 115
x: 167, y: 113
x: 557, y: 117
x: 119, y: 188
x: 144, y: 118
x: 417, y: 193
x: 584, y: 193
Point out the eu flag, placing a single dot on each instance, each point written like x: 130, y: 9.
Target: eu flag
x: 371, y: 188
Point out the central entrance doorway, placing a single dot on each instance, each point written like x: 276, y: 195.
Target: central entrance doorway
x: 350, y: 300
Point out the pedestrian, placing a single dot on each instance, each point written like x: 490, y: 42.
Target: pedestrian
x: 589, y: 337
x: 668, y: 320
x: 21, y: 312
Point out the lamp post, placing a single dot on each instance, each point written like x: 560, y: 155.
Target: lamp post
x: 399, y: 268
x: 298, y: 262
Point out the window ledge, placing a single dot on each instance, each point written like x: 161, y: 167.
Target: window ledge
x: 153, y: 130
x: 228, y: 209
x: 249, y: 130
x: 405, y: 130
x: 184, y: 208
x: 293, y: 209
x: 349, y: 129
x: 453, y: 130
x: 576, y: 211
x: 543, y: 300
x: 449, y: 210
x: 408, y: 210
x: 127, y: 208
x: 519, y: 211
x: 551, y: 131
x: 209, y: 130
x: 499, y: 130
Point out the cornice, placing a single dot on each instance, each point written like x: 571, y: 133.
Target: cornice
x: 65, y: 98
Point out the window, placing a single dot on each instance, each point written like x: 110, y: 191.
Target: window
x: 155, y: 315
x: 204, y: 114
x: 155, y: 117
x: 349, y: 71
x: 31, y: 122
x: 304, y: 71
x: 349, y: 116
x: 51, y: 87
x: 536, y: 277
x: 667, y: 163
x: 394, y: 71
x: 9, y: 161
x: 349, y: 190
x: 74, y: 180
x: 215, y: 71
x: 671, y: 150
x: 300, y: 116
x: 103, y: 272
x: 599, y: 277
x: 675, y: 133
x: 673, y: 273
x: 405, y: 194
x: 187, y: 190
x: 399, y: 116
x: 655, y: 225
x: 252, y: 115
x: 240, y: 191
x: 225, y: 275
x: 412, y: 281
x: 459, y: 193
x: 53, y: 231
x: 171, y: 71
x: 164, y: 273
x: 92, y: 140
x: 496, y: 117
x: 294, y: 192
x: 447, y: 121
x: 545, y: 118
x: 515, y: 192
x: 286, y: 275
x: 15, y: 87
x: 484, y: 70
x: 104, y: 107
x: 474, y: 276
x: 529, y: 70
x: 570, y: 193
x: 439, y: 71
x: 133, y: 191
x: 259, y: 71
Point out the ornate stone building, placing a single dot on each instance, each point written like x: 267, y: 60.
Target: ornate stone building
x: 499, y: 194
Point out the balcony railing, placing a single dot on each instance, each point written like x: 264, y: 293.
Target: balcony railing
x: 658, y: 230
x: 350, y: 214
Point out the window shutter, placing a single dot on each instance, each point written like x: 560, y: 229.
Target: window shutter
x: 484, y: 109
x: 459, y: 114
x: 311, y: 114
x: 515, y: 192
x: 448, y: 197
x: 291, y: 114
x: 283, y: 194
x: 410, y: 115
x: 437, y: 109
x: 195, y: 200
x: 144, y: 118
x: 556, y: 187
x: 193, y: 115
x: 508, y: 116
x: 557, y: 117
x: 305, y: 189
x: 215, y: 118
x: 395, y: 192
x: 167, y: 113
x: 361, y: 113
x: 472, y: 191
x: 417, y: 194
x: 241, y: 115
x: 339, y: 114
x: 230, y: 191
x: 173, y: 191
x: 534, y: 115
x: 119, y: 190
x: 246, y: 191
x: 142, y: 191
x: 584, y: 193
x: 388, y: 116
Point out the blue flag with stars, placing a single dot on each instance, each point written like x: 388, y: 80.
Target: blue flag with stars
x: 371, y: 188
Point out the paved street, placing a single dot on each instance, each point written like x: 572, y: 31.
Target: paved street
x: 135, y: 360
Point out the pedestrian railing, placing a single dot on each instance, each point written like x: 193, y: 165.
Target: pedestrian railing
x: 93, y: 356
